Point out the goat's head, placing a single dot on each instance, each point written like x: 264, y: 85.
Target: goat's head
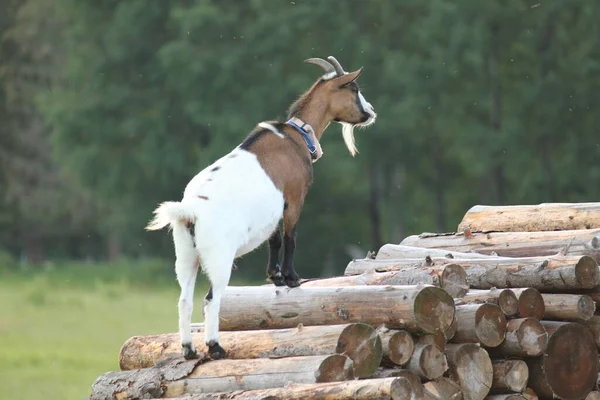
x: 345, y: 102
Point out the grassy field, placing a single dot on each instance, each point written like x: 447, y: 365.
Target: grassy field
x: 58, y: 334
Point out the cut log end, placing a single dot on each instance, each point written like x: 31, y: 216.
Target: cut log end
x: 508, y: 302
x: 401, y: 389
x: 531, y: 304
x: 525, y: 337
x: 428, y: 361
x: 443, y: 389
x: 400, y: 347
x: 490, y: 325
x: 586, y: 307
x: 361, y: 343
x: 587, y: 272
x: 454, y: 280
x: 595, y: 395
x: 335, y: 368
x: 434, y: 309
x: 471, y: 368
x: 510, y: 376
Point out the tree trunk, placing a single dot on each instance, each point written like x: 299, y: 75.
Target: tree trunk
x: 480, y: 323
x: 359, y: 342
x: 396, y: 251
x: 569, y: 366
x: 530, y: 303
x: 398, y: 388
x: 450, y: 277
x: 398, y: 307
x: 179, y: 377
x: 442, y: 389
x: 428, y: 361
x: 509, y: 376
x: 503, y: 298
x: 470, y: 367
x: 525, y: 337
x: 514, y: 244
x: 532, y: 218
x: 397, y: 346
x: 568, y: 307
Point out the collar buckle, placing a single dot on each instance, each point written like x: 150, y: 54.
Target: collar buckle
x: 305, y: 130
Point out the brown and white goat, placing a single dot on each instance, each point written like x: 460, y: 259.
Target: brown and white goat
x: 235, y: 204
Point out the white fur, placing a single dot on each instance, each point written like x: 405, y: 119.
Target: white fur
x: 271, y: 128
x: 235, y: 209
x: 348, y: 129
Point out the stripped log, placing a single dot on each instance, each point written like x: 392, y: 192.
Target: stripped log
x: 593, y: 325
x: 509, y: 376
x: 480, y: 323
x: 514, y: 244
x: 450, y: 332
x: 531, y: 218
x: 442, y: 389
x: 179, y: 377
x: 438, y: 339
x: 365, y: 389
x: 359, y: 342
x: 569, y: 367
x: 595, y: 395
x: 397, y: 346
x: 397, y: 251
x: 507, y: 396
x: 471, y: 367
x: 418, y: 309
x: 503, y: 298
x: 568, y: 307
x: 525, y: 337
x: 450, y: 277
x: 529, y: 394
x: 427, y: 361
x: 530, y: 303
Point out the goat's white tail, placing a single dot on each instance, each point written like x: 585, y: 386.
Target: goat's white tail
x: 170, y: 212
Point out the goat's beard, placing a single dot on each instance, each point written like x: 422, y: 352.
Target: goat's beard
x: 348, y: 135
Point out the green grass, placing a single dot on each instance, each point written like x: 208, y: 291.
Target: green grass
x: 60, y: 330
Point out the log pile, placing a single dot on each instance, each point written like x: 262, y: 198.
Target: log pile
x: 504, y: 308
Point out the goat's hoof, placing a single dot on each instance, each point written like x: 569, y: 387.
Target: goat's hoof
x: 277, y: 280
x: 189, y: 352
x: 215, y: 351
x: 292, y: 281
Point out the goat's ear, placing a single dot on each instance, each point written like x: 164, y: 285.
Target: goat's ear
x: 348, y: 78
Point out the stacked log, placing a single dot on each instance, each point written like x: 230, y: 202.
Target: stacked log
x: 506, y: 308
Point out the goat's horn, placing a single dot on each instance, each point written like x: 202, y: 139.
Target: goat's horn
x: 338, y: 68
x: 321, y: 63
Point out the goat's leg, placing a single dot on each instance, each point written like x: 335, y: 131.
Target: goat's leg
x: 218, y: 270
x: 290, y: 219
x: 186, y: 268
x: 273, y: 267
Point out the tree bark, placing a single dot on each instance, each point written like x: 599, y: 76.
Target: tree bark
x: 396, y: 251
x: 569, y: 367
x: 397, y: 346
x: 179, y: 377
x: 398, y: 388
x: 442, y: 389
x: 531, y: 218
x: 530, y: 303
x: 514, y: 244
x: 509, y: 376
x: 450, y: 277
x: 398, y: 307
x: 359, y: 342
x: 503, y: 298
x: 480, y: 323
x: 427, y: 361
x: 525, y: 337
x: 471, y: 367
x: 568, y: 307
x: 593, y: 325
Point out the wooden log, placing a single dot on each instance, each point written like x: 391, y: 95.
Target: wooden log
x: 438, y: 339
x: 397, y: 346
x: 398, y: 388
x: 525, y: 337
x: 471, y: 367
x: 514, y: 244
x: 418, y: 308
x: 509, y: 376
x: 450, y: 277
x: 415, y: 381
x: 568, y: 307
x: 427, y: 361
x: 480, y: 323
x: 450, y: 332
x: 593, y: 325
x: 504, y: 298
x: 529, y: 394
x: 359, y: 342
x: 179, y: 377
x: 507, y: 396
x: 594, y: 395
x: 569, y: 367
x: 396, y: 251
x: 530, y: 303
x: 443, y: 389
x: 531, y: 218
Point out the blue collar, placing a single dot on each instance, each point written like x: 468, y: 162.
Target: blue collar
x: 309, y: 143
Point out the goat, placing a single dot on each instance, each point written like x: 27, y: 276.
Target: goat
x: 235, y: 204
